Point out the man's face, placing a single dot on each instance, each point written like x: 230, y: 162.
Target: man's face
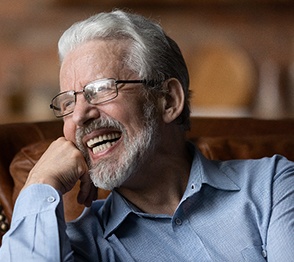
x: 116, y: 137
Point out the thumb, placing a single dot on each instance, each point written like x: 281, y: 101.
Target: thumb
x: 88, y: 192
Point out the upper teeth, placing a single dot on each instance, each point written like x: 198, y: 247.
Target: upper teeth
x: 92, y: 142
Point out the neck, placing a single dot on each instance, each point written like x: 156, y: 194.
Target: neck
x: 160, y: 187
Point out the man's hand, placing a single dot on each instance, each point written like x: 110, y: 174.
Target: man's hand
x: 61, y: 166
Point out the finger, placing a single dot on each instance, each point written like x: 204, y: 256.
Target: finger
x: 90, y: 198
x: 61, y: 166
x: 87, y: 191
x: 93, y: 195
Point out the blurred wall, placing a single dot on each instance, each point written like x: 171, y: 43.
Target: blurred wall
x: 240, y: 54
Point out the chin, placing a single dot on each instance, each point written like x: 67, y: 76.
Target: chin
x: 108, y: 178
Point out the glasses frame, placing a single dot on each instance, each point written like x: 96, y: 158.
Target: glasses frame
x: 145, y: 82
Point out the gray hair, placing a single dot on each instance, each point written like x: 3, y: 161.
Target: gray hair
x: 152, y: 54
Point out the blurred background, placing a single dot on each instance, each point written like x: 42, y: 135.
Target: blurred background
x: 240, y: 53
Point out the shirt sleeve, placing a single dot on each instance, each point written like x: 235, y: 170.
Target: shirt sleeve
x: 281, y: 227
x: 37, y: 231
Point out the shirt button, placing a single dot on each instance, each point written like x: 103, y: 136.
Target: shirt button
x: 193, y: 186
x: 51, y: 199
x: 178, y: 221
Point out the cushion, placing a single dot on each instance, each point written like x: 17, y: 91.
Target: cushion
x: 24, y: 161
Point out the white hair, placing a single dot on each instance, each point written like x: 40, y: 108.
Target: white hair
x: 152, y: 54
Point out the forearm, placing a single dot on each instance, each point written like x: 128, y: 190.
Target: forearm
x: 37, y: 230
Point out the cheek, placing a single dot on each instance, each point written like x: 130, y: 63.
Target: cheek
x: 69, y: 130
x: 131, y: 115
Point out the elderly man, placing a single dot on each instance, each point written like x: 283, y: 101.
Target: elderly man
x: 125, y: 104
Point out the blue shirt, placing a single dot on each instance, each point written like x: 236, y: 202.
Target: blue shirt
x: 238, y: 210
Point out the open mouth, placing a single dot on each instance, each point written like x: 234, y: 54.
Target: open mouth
x: 103, y: 142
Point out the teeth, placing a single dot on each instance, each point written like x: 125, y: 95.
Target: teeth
x: 92, y: 143
x: 102, y: 147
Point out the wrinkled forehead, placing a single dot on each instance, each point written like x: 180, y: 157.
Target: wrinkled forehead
x: 93, y: 60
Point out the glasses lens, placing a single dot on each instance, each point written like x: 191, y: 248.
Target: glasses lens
x: 63, y: 103
x: 100, y: 91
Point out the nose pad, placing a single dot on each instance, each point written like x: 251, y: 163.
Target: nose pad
x: 87, y: 97
x: 84, y: 111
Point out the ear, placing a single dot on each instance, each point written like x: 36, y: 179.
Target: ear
x: 173, y: 100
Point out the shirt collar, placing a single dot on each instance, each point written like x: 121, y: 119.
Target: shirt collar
x: 115, y: 210
x: 203, y: 171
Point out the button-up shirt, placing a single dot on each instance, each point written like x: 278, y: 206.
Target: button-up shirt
x: 237, y: 210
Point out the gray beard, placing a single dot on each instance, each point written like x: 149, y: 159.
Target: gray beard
x: 110, y: 173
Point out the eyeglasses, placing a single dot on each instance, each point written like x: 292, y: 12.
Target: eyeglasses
x: 96, y: 92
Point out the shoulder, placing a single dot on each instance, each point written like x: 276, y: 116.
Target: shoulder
x: 259, y: 174
x: 267, y: 166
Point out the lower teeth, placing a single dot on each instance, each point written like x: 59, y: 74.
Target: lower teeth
x: 102, y: 147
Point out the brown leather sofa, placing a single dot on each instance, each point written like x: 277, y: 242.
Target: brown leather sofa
x: 218, y: 138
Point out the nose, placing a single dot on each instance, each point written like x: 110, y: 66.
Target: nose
x: 84, y: 111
